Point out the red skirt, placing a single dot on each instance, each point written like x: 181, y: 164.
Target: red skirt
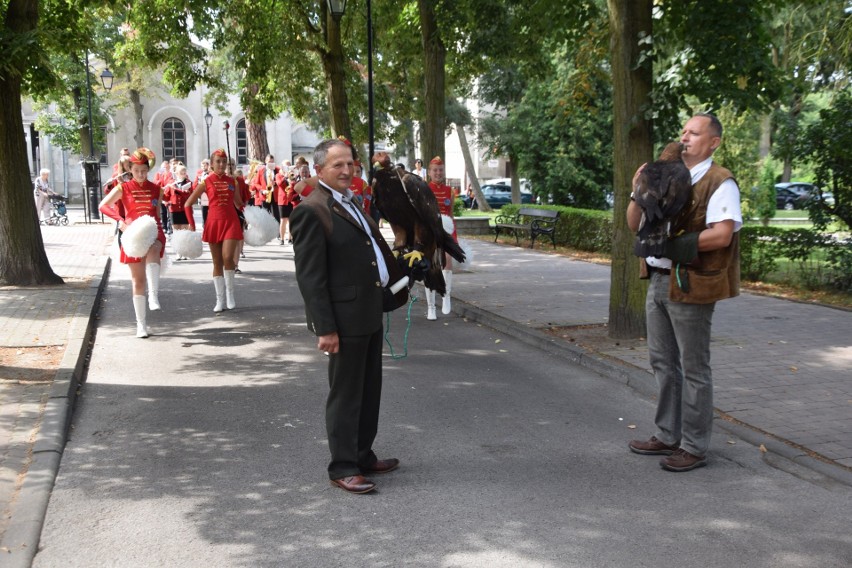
x: 217, y: 230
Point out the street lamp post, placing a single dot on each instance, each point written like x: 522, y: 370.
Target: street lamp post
x: 227, y: 126
x: 337, y: 9
x: 91, y: 166
x: 208, y: 119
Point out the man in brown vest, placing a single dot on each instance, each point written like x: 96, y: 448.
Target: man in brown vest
x: 700, y: 266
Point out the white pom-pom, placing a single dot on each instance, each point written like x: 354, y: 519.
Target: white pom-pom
x: 187, y: 243
x: 448, y: 223
x: 262, y: 226
x: 468, y: 257
x: 139, y: 236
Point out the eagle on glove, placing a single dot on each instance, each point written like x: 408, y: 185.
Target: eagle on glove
x: 662, y: 190
x: 410, y: 207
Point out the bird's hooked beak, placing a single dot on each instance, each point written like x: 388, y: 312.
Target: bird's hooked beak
x: 381, y: 161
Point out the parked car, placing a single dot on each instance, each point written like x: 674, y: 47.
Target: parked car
x: 526, y: 186
x: 498, y: 195
x: 796, y: 194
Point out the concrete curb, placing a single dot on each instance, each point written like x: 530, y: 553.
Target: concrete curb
x: 22, y: 536
x: 780, y: 453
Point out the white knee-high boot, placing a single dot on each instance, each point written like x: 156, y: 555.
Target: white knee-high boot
x: 152, y: 273
x: 139, y: 306
x: 229, y: 289
x: 446, y: 305
x: 430, y: 305
x: 219, y: 284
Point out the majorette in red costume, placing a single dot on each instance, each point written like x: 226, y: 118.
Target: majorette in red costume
x: 222, y: 220
x: 363, y: 191
x: 135, y: 204
x: 223, y: 230
x: 137, y: 200
x: 445, y: 196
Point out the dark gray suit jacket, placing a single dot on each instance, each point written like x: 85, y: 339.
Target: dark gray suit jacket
x: 336, y: 268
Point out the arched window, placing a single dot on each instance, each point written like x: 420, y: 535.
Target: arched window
x: 242, y: 143
x: 174, y: 140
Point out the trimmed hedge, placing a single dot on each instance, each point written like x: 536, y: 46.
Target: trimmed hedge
x: 820, y: 258
x: 582, y: 229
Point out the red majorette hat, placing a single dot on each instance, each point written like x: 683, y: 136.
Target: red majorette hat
x: 143, y: 157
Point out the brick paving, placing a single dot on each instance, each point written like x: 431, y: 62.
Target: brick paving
x: 37, y: 317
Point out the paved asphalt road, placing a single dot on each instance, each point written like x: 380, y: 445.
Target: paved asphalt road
x: 204, y: 445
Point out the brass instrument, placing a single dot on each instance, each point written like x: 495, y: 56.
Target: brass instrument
x: 270, y: 183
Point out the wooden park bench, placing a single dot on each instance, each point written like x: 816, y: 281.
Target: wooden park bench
x: 528, y: 220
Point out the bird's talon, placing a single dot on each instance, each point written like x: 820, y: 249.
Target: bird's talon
x: 413, y: 257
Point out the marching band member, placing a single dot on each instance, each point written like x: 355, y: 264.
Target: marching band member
x: 445, y: 196
x: 176, y: 194
x: 200, y: 175
x: 138, y: 197
x: 223, y: 230
x: 285, y: 182
x: 245, y: 196
x: 263, y: 183
x: 362, y: 191
x: 163, y: 178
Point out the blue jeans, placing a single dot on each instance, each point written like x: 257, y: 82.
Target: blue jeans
x: 679, y: 349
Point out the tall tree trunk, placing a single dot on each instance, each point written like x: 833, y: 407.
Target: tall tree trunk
x: 515, y: 179
x: 629, y: 21
x: 258, y: 144
x: 410, y: 148
x: 136, y: 100
x: 765, y: 144
x: 468, y: 163
x: 335, y: 78
x: 23, y: 261
x: 434, y: 56
x: 792, y: 131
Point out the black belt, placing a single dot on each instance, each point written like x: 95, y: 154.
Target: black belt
x: 665, y: 271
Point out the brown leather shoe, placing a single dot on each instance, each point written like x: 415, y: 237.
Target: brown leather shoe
x: 682, y: 460
x: 382, y: 466
x: 652, y: 447
x: 354, y: 484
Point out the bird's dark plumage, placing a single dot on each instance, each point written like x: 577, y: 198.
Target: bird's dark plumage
x: 410, y: 207
x: 662, y: 189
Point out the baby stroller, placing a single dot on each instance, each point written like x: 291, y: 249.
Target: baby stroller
x: 58, y: 211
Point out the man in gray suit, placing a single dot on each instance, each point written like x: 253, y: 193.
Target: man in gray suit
x: 344, y: 268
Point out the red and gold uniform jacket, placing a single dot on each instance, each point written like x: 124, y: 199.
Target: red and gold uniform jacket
x: 363, y: 192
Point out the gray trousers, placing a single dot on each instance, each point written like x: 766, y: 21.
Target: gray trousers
x: 679, y: 349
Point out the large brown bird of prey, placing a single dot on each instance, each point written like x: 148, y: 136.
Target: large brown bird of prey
x: 662, y: 189
x: 410, y: 207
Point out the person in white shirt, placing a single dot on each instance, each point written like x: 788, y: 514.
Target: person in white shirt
x: 419, y: 170
x: 699, y: 267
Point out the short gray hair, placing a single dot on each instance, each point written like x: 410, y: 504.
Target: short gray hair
x: 715, y: 123
x: 321, y: 151
x: 43, y: 171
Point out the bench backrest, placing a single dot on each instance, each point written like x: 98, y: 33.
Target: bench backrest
x: 547, y: 213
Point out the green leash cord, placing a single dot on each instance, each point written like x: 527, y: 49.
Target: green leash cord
x: 407, y: 329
